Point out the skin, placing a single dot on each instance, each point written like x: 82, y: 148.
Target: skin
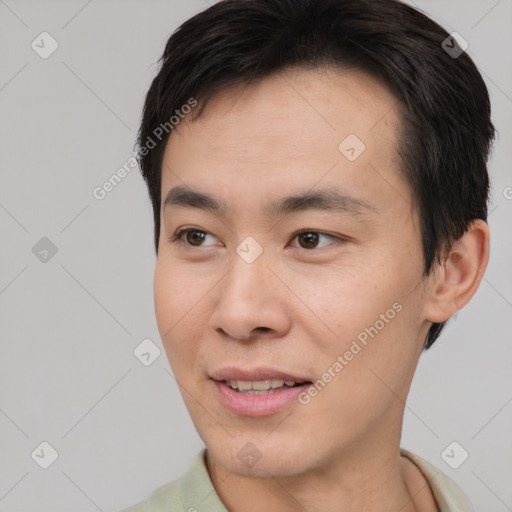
x: 298, y: 308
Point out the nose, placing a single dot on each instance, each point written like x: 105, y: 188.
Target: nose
x: 251, y: 301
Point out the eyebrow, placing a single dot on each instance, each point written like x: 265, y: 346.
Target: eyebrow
x: 325, y: 200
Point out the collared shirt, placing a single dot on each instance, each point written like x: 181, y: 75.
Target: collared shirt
x: 194, y: 491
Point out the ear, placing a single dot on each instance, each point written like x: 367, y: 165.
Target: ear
x: 455, y: 281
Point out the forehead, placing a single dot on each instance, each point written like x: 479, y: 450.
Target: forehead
x: 326, y: 97
x: 291, y: 129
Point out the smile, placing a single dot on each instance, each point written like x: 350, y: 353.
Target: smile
x: 258, y: 391
x: 260, y: 387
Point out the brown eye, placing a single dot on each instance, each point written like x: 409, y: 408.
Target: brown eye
x: 190, y: 237
x: 313, y: 239
x: 194, y: 237
x: 308, y: 240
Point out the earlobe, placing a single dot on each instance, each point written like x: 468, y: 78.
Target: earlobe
x: 457, y: 279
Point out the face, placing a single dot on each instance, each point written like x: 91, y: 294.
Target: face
x: 301, y: 262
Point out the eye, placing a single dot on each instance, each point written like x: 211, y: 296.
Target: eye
x: 307, y: 239
x: 191, y: 236
x: 311, y: 239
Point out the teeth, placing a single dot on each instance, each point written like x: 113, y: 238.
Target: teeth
x: 243, y: 385
x: 258, y: 385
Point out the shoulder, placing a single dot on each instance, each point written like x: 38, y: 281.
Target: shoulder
x: 164, y: 498
x: 448, y: 494
x: 192, y: 489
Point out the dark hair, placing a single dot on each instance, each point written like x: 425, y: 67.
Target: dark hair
x: 446, y: 130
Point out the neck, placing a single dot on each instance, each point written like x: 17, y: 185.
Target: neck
x: 371, y: 476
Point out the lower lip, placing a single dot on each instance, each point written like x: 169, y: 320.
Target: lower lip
x: 257, y: 405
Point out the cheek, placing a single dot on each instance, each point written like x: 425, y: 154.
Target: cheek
x: 342, y: 301
x: 366, y: 315
x: 379, y: 353
x: 177, y: 290
x: 179, y: 300
x: 166, y: 286
x: 360, y: 383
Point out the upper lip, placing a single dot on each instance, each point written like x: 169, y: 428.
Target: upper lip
x: 254, y: 374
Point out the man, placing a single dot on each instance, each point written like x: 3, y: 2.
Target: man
x: 318, y: 175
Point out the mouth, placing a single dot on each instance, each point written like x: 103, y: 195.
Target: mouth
x: 262, y: 387
x: 257, y: 392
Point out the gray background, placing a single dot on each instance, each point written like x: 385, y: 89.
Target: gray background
x: 69, y: 326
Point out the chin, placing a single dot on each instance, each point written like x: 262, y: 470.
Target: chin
x: 263, y: 458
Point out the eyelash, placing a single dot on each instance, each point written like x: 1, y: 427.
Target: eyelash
x: 178, y: 236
